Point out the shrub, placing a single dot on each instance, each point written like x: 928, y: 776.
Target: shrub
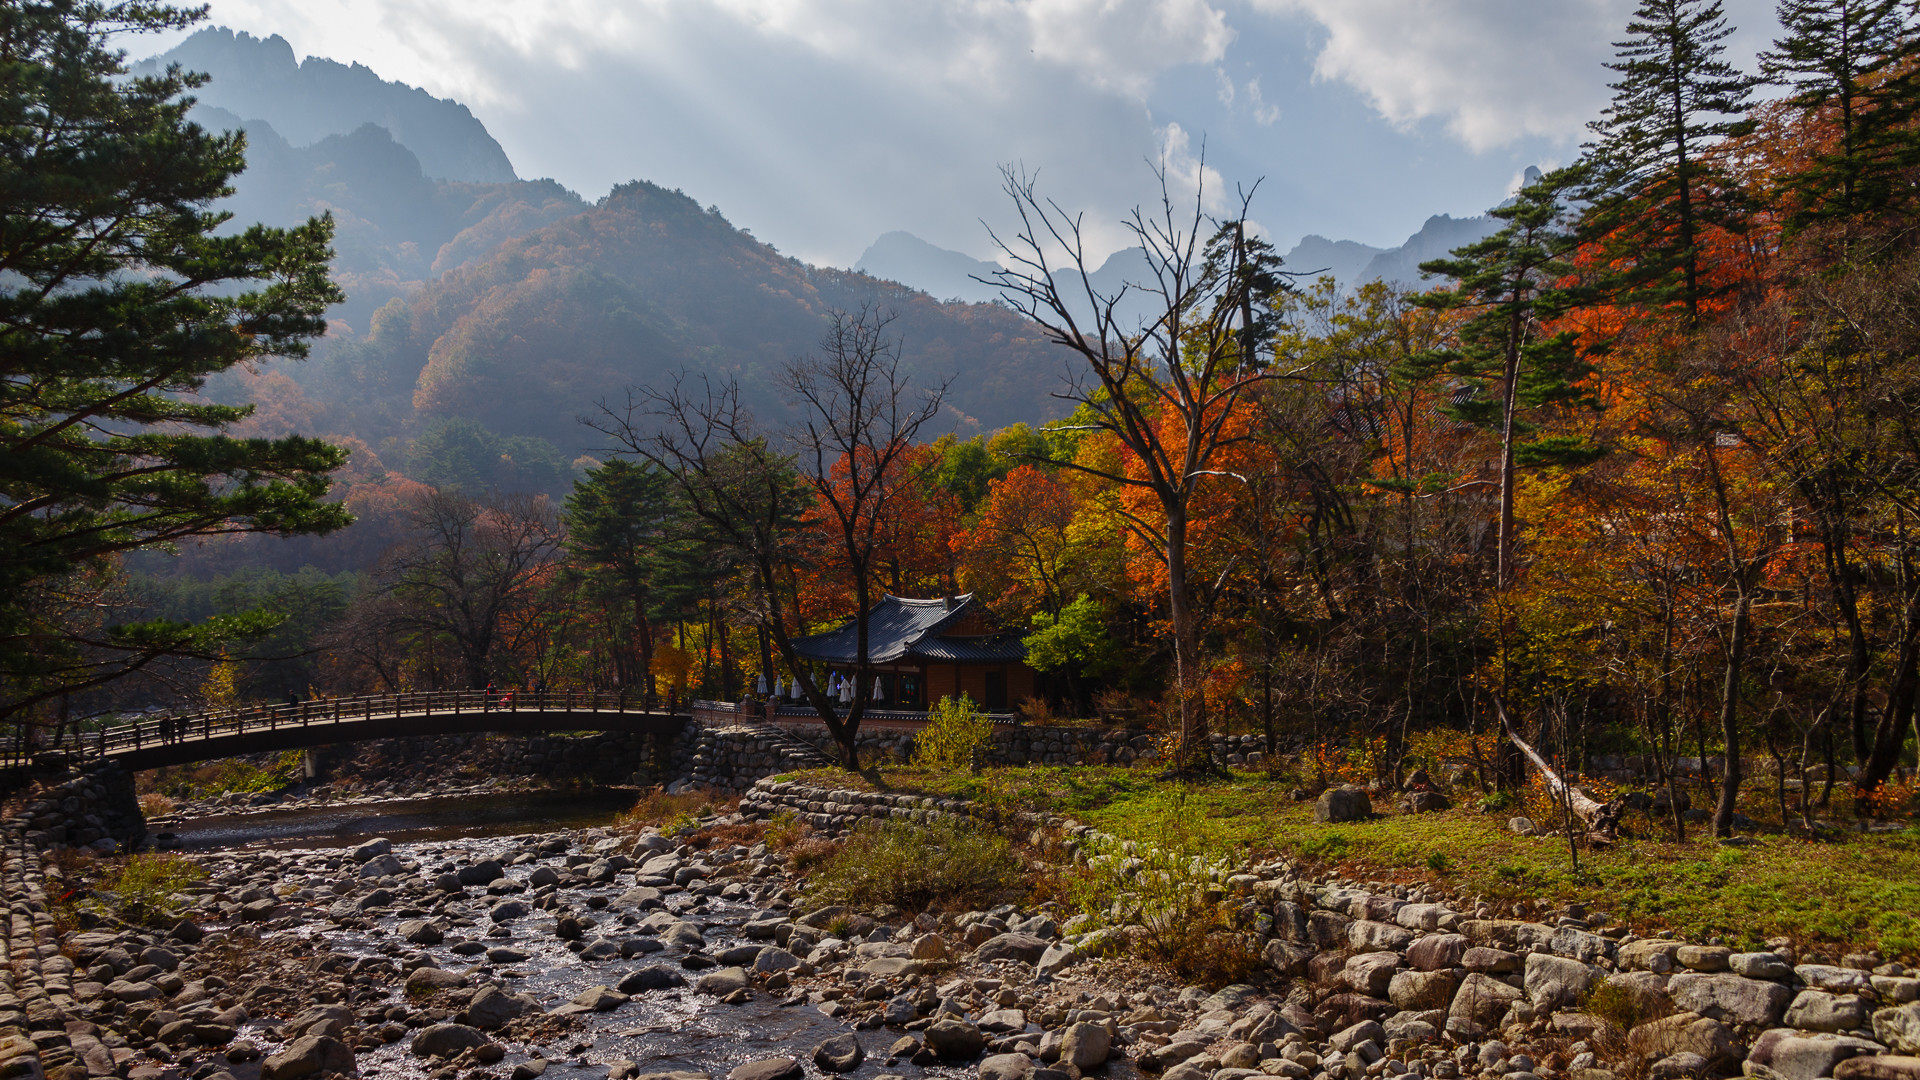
x: 1169, y: 899
x: 146, y: 889
x: 154, y: 804
x: 950, y: 863
x: 671, y: 813
x: 956, y: 737
x: 1619, y: 1005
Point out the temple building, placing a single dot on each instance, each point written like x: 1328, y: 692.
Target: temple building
x: 924, y: 650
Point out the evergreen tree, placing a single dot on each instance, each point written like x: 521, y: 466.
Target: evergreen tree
x: 1511, y: 283
x: 1653, y: 191
x: 620, y: 521
x: 1838, y: 56
x: 121, y: 296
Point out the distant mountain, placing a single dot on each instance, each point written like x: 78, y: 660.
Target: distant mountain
x: 906, y: 258
x: 1435, y: 240
x: 305, y: 102
x: 1345, y: 261
x: 948, y: 275
x: 393, y: 227
x: 637, y: 288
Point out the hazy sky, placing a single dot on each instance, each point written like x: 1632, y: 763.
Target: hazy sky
x: 820, y: 124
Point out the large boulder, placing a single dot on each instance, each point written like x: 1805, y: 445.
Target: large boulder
x: 1880, y: 1067
x: 1369, y: 936
x: 780, y: 1068
x: 429, y: 980
x: 1734, y: 999
x: 1344, y: 803
x: 651, y: 977
x: 1371, y: 973
x: 310, y: 1055
x: 1437, y: 952
x: 1006, y: 1067
x: 724, y: 981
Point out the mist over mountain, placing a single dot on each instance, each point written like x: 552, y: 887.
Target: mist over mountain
x: 905, y: 258
x: 306, y: 101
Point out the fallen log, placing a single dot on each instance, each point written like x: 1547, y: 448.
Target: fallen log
x: 1602, y: 819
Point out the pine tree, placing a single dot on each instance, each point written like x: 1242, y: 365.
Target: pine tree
x: 1511, y: 283
x: 1654, y: 193
x: 621, y: 520
x: 121, y: 296
x: 1838, y: 56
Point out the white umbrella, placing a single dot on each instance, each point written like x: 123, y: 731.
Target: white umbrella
x: 762, y: 688
x: 878, y: 692
x: 779, y: 686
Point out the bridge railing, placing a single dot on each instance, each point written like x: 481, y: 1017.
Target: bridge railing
x: 215, y: 723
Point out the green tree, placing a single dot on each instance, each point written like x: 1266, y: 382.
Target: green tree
x: 1833, y: 55
x: 1076, y: 642
x: 621, y: 522
x: 1654, y: 189
x: 121, y: 295
x: 1511, y: 284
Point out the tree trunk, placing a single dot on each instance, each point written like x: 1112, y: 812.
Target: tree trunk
x: 1186, y: 647
x: 1730, y: 716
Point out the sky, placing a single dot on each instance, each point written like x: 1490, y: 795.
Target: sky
x: 821, y: 124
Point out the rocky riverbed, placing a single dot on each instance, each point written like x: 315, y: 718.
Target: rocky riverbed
x: 620, y: 953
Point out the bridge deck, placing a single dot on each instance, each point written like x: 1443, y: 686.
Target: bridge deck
x: 177, y: 740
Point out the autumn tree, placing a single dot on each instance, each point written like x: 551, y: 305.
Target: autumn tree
x: 1165, y: 388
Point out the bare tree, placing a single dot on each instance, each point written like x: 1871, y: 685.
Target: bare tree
x: 1165, y: 387
x: 847, y: 456
x: 470, y: 571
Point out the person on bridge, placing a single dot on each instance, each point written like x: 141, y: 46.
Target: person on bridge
x: 489, y: 699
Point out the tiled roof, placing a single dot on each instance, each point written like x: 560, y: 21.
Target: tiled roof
x: 897, y: 628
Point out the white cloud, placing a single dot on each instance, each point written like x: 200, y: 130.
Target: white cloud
x: 1492, y: 71
x: 1263, y: 113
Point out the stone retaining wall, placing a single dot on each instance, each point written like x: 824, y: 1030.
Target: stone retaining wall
x: 90, y: 805
x: 1392, y: 966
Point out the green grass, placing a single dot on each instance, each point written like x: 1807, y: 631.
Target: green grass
x: 1859, y: 890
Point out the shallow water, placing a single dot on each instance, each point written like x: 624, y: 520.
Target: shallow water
x: 660, y: 1030
x: 445, y: 818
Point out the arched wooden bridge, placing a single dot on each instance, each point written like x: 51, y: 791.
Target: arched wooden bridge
x: 154, y: 742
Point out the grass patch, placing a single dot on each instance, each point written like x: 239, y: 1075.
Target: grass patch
x: 671, y: 814
x: 948, y: 864
x: 1855, y: 890
x: 146, y: 889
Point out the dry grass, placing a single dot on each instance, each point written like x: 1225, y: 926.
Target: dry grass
x: 153, y: 804
x: 670, y: 813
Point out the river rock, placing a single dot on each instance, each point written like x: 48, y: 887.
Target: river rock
x: 1760, y: 965
x: 780, y: 1068
x: 383, y: 866
x: 1006, y: 1067
x: 600, y: 998
x: 1085, y: 1045
x: 772, y: 959
x: 1421, y: 990
x: 1437, y: 952
x: 1011, y: 946
x: 446, y: 1040
x: 492, y: 1008
x: 309, y: 1055
x: 480, y: 873
x: 508, y: 910
x: 1880, y: 1067
x: 955, y: 1040
x: 1371, y: 973
x: 1367, y: 935
x: 371, y: 850
x: 724, y: 981
x: 426, y: 980
x: 840, y: 1054
x: 420, y: 932
x: 1344, y: 803
x: 651, y: 977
